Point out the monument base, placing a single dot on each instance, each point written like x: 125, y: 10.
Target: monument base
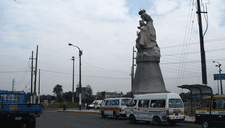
x: 148, y: 76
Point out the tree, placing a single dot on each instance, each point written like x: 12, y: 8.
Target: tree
x: 88, y: 97
x: 68, y: 96
x: 58, y: 91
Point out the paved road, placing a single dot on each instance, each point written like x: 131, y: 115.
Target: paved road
x: 54, y: 119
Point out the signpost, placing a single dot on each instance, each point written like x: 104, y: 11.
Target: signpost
x: 220, y: 77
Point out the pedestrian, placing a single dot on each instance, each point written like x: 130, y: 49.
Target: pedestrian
x: 85, y: 105
x: 64, y: 105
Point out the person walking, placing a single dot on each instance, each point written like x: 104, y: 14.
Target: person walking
x: 64, y: 105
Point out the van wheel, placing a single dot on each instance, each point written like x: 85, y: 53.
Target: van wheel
x: 132, y: 119
x: 115, y: 115
x: 156, y: 121
x: 102, y: 114
x: 206, y: 124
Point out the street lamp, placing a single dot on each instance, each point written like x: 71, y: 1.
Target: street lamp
x: 221, y: 88
x: 80, y: 53
x: 73, y: 59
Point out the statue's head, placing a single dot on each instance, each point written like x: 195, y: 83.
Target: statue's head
x: 142, y: 23
x: 144, y: 15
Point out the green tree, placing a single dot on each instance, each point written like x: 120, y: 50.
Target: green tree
x: 68, y: 96
x: 58, y: 91
x: 88, y: 97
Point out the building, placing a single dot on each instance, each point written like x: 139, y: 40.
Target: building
x: 103, y: 95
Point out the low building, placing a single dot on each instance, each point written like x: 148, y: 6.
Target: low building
x: 103, y: 95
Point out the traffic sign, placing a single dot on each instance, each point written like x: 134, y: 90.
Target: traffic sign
x: 219, y: 76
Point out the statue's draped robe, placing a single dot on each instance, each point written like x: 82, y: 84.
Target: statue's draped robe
x: 148, y: 36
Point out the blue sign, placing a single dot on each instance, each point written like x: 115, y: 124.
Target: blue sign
x: 194, y: 96
x: 219, y: 76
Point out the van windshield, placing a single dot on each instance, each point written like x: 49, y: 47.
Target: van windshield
x: 125, y: 101
x: 175, y: 103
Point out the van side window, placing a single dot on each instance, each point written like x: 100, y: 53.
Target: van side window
x: 205, y: 103
x: 133, y: 103
x: 115, y: 102
x: 219, y: 104
x: 143, y: 103
x: 158, y: 103
x: 103, y: 102
x: 107, y: 102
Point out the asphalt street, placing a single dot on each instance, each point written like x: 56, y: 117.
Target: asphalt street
x: 54, y: 119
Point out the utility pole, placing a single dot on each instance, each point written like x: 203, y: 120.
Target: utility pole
x: 13, y: 85
x: 132, y: 73
x: 35, y: 79
x: 80, y: 53
x: 31, y: 90
x: 39, y: 82
x: 73, y: 59
x: 203, y: 62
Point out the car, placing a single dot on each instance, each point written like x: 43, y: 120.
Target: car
x: 95, y: 104
x: 91, y: 106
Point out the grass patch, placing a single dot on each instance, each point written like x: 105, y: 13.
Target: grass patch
x: 68, y: 105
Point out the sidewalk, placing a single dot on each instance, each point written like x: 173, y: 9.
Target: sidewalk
x: 89, y: 111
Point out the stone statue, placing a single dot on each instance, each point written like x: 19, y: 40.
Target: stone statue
x: 148, y: 76
x: 146, y: 40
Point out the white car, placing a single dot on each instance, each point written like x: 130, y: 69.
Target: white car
x: 95, y: 104
x: 91, y: 106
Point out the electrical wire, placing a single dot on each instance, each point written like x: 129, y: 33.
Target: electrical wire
x: 184, y: 48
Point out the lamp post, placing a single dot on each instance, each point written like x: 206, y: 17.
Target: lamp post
x: 73, y: 80
x: 80, y: 53
x: 221, y: 88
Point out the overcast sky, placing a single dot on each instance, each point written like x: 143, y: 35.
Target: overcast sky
x: 105, y: 30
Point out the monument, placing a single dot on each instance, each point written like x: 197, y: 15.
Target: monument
x: 148, y: 76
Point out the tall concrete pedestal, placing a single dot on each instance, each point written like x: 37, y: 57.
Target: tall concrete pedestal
x: 148, y: 76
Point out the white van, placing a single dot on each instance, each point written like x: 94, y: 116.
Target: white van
x: 157, y: 108
x: 114, y: 107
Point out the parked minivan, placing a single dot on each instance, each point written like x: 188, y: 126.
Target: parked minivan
x: 114, y: 107
x: 157, y: 108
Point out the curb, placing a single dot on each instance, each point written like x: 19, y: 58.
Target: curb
x: 79, y: 112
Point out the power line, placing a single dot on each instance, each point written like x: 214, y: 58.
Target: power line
x: 106, y: 69
x: 85, y: 75
x: 13, y: 71
x: 214, y: 50
x: 195, y: 43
